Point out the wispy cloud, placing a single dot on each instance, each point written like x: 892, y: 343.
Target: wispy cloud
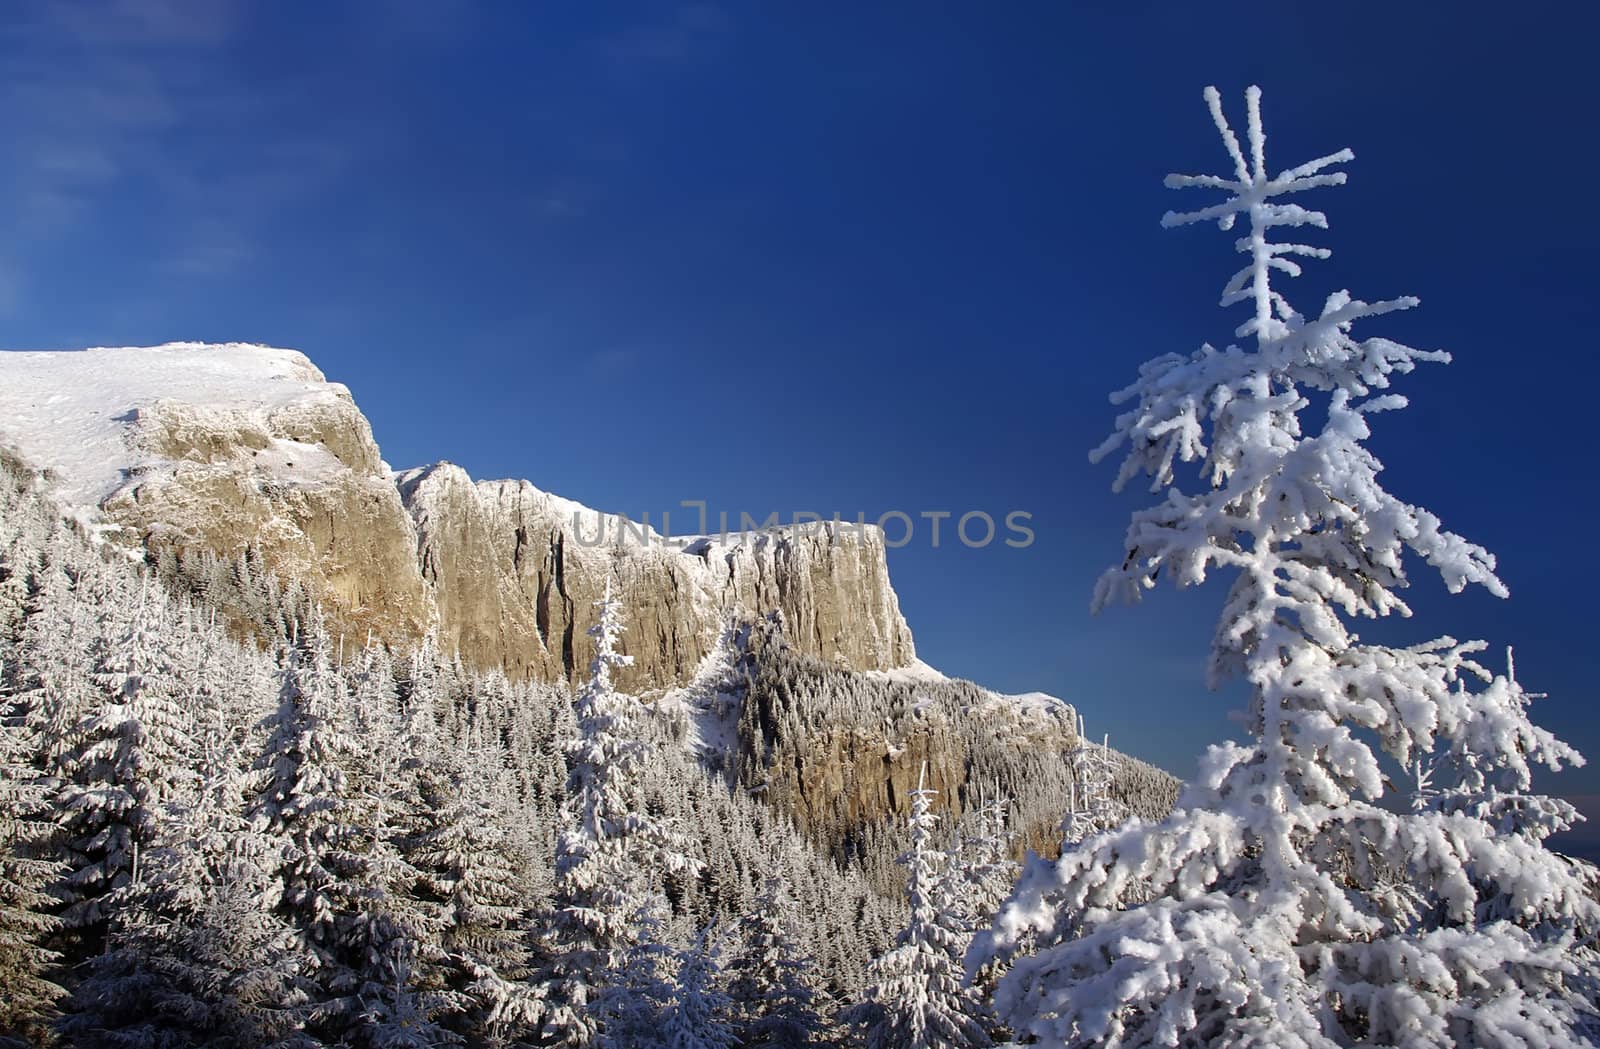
x: 100, y: 99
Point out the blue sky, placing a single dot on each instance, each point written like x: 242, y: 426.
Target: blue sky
x: 842, y: 257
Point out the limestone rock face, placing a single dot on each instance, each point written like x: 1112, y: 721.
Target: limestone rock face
x: 225, y: 448
x: 302, y: 485
x: 347, y: 540
x: 843, y: 751
x: 515, y: 572
x: 234, y: 448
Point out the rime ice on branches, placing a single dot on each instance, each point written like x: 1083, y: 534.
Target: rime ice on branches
x: 1283, y: 903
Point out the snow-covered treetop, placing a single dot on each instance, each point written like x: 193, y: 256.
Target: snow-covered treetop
x: 1251, y: 192
x: 923, y: 821
x: 1305, y: 512
x: 1091, y: 807
x: 607, y: 753
x: 607, y: 631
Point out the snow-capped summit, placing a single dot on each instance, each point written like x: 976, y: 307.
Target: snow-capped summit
x: 234, y: 447
x: 87, y: 415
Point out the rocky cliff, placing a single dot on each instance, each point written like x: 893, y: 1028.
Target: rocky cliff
x: 238, y: 448
x: 515, y: 572
x: 842, y: 752
x: 245, y: 450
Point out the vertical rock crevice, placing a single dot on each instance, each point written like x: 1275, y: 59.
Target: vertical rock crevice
x: 832, y: 586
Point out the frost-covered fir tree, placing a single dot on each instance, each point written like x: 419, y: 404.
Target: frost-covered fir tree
x: 610, y: 859
x: 55, y: 650
x: 634, y: 1001
x: 770, y: 984
x: 127, y: 757
x: 475, y: 886
x: 27, y: 872
x: 985, y: 865
x: 20, y: 550
x: 983, y: 876
x: 195, y: 953
x: 386, y: 936
x: 1283, y: 904
x: 1090, y: 806
x: 698, y: 1015
x: 916, y: 998
x: 378, y: 974
x: 300, y: 800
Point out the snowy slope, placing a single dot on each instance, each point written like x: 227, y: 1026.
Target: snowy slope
x: 78, y: 412
x: 705, y: 711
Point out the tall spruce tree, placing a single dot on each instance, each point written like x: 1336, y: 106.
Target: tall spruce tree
x: 476, y: 889
x: 196, y: 953
x: 1090, y: 807
x: 611, y: 859
x: 698, y: 1015
x: 388, y: 944
x: 770, y: 982
x: 916, y: 998
x: 985, y: 866
x: 127, y: 757
x: 27, y: 873
x: 299, y: 799
x: 1283, y: 904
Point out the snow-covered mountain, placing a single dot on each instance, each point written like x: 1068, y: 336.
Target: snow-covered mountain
x: 199, y: 456
x: 231, y: 449
x: 249, y: 450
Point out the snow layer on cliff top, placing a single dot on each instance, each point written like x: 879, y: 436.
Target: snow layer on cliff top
x: 604, y: 531
x: 1033, y: 704
x: 75, y: 411
x: 914, y: 672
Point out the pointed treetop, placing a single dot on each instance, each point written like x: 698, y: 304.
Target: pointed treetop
x: 922, y: 797
x: 1251, y: 192
x: 606, y: 631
